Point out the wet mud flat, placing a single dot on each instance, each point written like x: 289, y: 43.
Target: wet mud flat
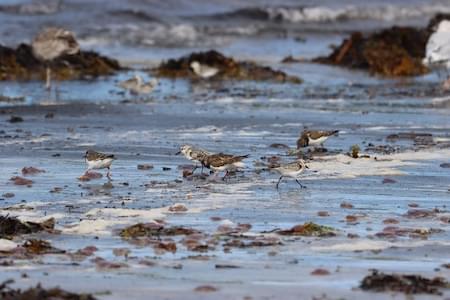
x: 151, y: 231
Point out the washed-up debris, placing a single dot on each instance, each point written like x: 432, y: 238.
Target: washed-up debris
x: 352, y: 219
x: 408, y: 284
x: 388, y: 180
x: 394, y: 232
x: 31, y: 171
x: 347, y: 205
x: 226, y: 266
x: 422, y: 213
x: 20, y: 64
x: 323, y: 213
x: 154, y: 230
x: 161, y: 247
x: 445, y: 165
x: 34, y: 246
x: 309, y: 229
x: 354, y: 151
x: 178, y: 208
x: 397, y: 51
x: 15, y: 119
x: 390, y: 221
x: 121, y: 252
x: 83, y: 253
x: 10, y: 226
x: 228, y: 68
x: 144, y: 167
x: 250, y: 242
x: 320, y: 272
x: 8, y: 99
x: 17, y: 180
x: 279, y: 146
x: 198, y: 242
x: 103, y: 264
x: 8, y: 195
x: 206, y: 289
x: 230, y: 228
x: 38, y: 293
x: 90, y: 175
x: 408, y: 136
x: 383, y: 149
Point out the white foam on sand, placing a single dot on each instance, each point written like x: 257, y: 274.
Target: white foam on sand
x: 343, y: 166
x: 368, y: 245
x: 101, y: 221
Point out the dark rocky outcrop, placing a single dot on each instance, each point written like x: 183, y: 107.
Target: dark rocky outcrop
x: 397, y: 51
x: 20, y: 64
x: 228, y: 68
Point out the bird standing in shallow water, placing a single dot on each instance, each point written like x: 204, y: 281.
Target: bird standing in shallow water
x: 224, y: 162
x: 52, y: 43
x: 97, y: 160
x: 194, y: 154
x: 292, y: 170
x: 314, y: 137
x: 203, y: 71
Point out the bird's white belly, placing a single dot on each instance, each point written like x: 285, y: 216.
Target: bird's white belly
x: 319, y: 141
x: 208, y: 72
x: 99, y: 164
x: 290, y: 173
x: 231, y: 167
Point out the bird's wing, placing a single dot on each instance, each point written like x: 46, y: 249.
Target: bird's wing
x: 105, y: 156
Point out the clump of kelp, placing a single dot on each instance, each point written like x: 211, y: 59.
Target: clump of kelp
x: 11, y: 226
x: 38, y: 293
x: 20, y: 64
x: 396, y: 51
x: 229, y: 69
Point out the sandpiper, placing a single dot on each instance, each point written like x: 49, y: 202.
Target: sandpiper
x: 314, y: 137
x: 97, y: 160
x: 203, y: 71
x: 292, y: 170
x: 52, y: 43
x: 224, y: 162
x: 194, y: 154
x: 137, y: 86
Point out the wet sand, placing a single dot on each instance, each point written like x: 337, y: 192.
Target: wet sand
x: 243, y: 119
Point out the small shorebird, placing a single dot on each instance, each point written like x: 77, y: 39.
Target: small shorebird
x: 224, y: 162
x: 203, y: 71
x: 97, y: 160
x: 137, y: 86
x: 52, y: 43
x: 292, y: 170
x: 314, y: 137
x: 194, y: 154
x: 438, y: 50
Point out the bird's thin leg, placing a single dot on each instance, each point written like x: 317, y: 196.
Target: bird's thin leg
x: 301, y: 185
x: 48, y: 78
x: 202, y: 168
x: 195, y: 168
x: 279, y: 180
x: 108, y: 174
x: 226, y: 174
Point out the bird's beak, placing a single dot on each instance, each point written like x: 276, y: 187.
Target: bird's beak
x: 178, y: 153
x: 306, y: 167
